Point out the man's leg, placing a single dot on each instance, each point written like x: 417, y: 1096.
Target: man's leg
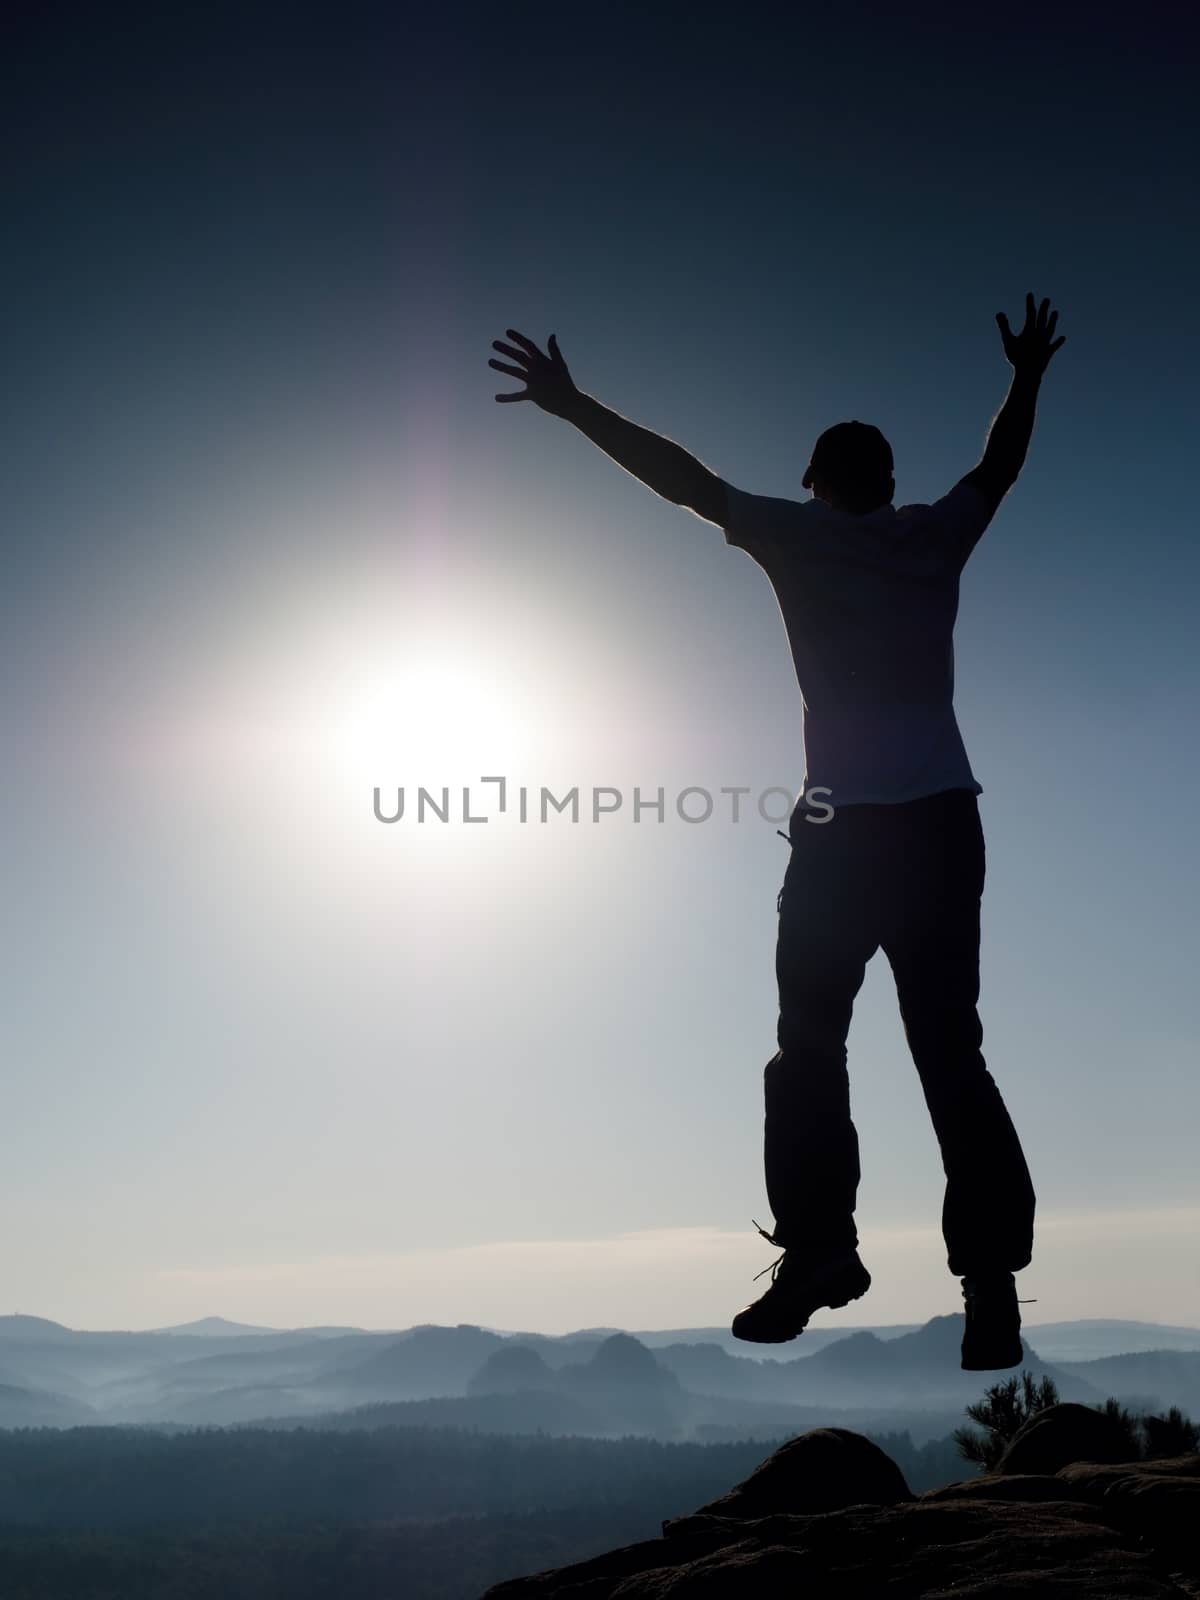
x: 826, y: 937
x: 932, y: 942
x: 810, y: 1144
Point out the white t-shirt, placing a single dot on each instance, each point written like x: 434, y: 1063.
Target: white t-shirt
x: 869, y: 604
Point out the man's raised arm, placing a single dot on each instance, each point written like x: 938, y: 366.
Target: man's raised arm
x: 1029, y: 354
x: 661, y: 464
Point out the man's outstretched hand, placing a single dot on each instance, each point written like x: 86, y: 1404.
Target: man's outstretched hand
x: 547, y: 382
x: 1030, y: 350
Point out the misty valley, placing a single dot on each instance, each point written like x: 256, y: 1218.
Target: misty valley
x: 218, y: 1459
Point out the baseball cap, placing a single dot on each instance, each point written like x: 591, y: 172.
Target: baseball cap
x: 850, y: 452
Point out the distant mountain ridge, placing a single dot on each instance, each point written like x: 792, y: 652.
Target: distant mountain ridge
x: 217, y: 1328
x: 217, y: 1373
x: 1091, y: 1337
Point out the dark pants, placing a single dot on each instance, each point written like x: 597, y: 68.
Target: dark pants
x: 908, y: 878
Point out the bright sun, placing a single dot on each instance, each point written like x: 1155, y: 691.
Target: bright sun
x: 431, y: 722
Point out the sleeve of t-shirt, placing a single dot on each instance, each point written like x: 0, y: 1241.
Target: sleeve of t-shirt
x: 759, y: 523
x: 960, y: 518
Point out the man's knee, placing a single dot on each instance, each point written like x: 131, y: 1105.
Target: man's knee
x: 805, y: 1058
x: 944, y: 1032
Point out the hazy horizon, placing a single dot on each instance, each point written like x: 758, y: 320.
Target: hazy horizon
x: 271, y: 543
x: 219, y: 1325
x: 577, y: 1282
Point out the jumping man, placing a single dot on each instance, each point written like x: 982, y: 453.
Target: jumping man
x: 887, y: 847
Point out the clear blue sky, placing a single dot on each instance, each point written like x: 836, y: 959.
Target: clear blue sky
x: 270, y: 541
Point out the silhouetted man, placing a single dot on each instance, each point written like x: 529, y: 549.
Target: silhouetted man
x: 887, y: 848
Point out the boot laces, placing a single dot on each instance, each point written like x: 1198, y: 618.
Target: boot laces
x: 774, y: 1267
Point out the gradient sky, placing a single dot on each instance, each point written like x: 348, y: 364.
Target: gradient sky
x: 269, y: 542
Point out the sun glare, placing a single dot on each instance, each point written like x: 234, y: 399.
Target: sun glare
x: 431, y: 721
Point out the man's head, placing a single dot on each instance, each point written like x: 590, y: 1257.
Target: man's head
x: 851, y: 468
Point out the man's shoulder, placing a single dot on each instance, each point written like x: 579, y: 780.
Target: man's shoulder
x: 951, y: 525
x: 757, y: 522
x: 742, y: 503
x: 966, y: 501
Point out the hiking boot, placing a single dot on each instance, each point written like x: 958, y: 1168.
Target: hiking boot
x: 800, y: 1285
x: 992, y: 1334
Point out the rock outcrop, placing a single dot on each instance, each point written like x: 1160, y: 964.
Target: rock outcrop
x: 822, y: 1470
x: 828, y: 1513
x: 1063, y: 1433
x: 510, y: 1370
